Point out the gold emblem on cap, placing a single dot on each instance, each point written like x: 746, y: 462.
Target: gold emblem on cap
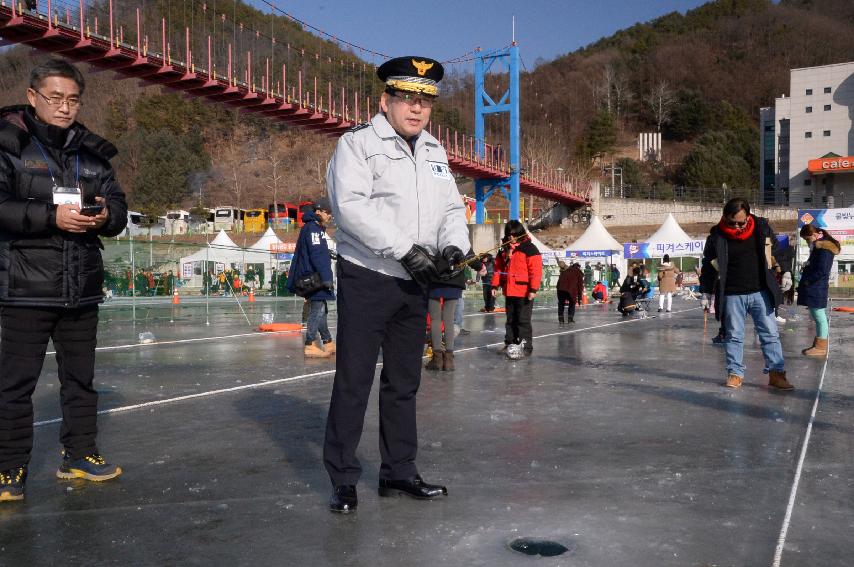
x: 422, y: 67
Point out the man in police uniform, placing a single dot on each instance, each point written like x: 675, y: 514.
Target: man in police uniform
x: 397, y: 207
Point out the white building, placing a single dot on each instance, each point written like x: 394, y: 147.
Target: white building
x: 807, y: 140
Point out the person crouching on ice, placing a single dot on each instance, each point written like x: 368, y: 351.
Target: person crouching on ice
x: 518, y: 270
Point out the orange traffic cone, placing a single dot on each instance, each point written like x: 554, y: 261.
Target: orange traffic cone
x: 584, y: 300
x: 251, y: 296
x: 175, y: 299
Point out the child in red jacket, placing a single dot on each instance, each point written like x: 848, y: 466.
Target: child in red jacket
x: 518, y: 270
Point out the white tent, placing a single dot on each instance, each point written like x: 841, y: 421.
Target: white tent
x: 222, y: 239
x: 596, y: 237
x: 669, y: 231
x: 672, y: 240
x: 267, y: 239
x: 222, y: 250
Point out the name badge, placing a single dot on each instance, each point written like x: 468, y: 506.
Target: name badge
x: 440, y: 170
x: 67, y: 196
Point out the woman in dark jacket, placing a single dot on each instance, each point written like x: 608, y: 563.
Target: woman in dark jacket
x: 444, y: 295
x: 815, y: 279
x: 570, y: 288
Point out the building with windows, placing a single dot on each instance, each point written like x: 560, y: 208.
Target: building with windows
x: 807, y: 140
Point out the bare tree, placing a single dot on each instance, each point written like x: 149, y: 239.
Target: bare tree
x: 660, y: 101
x: 622, y: 99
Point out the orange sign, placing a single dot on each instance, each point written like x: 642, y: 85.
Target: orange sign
x: 831, y: 165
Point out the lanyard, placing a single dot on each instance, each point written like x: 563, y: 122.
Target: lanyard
x: 49, y: 170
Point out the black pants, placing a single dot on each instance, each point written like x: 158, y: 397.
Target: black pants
x: 488, y: 300
x: 23, y: 343
x: 375, y: 311
x: 565, y: 299
x: 518, y: 328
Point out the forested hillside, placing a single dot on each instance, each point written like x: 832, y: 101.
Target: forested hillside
x: 699, y: 78
x: 176, y: 151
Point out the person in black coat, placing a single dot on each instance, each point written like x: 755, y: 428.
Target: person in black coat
x: 444, y: 295
x: 814, y: 282
x: 485, y: 275
x: 739, y: 259
x: 58, y: 194
x: 313, y: 260
x: 633, y: 287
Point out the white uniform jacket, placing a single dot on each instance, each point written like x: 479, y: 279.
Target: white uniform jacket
x: 385, y: 199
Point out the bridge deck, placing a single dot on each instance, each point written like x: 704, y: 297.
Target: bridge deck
x: 196, y: 78
x: 616, y: 440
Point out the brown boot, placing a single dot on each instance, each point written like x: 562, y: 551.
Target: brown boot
x: 818, y: 348
x: 437, y: 362
x: 329, y: 346
x: 449, y: 361
x: 313, y: 351
x: 733, y: 381
x: 777, y: 379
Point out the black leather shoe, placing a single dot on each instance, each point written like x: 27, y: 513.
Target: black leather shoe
x: 344, y: 500
x: 414, y: 487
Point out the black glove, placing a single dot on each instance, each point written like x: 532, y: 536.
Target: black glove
x: 453, y: 256
x: 474, y: 264
x: 329, y: 285
x: 419, y: 265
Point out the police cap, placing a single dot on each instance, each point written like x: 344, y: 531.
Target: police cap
x: 412, y: 74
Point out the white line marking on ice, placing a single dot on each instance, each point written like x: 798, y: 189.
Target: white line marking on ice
x: 154, y: 403
x: 781, y: 541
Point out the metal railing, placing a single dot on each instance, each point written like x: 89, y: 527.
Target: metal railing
x: 686, y: 194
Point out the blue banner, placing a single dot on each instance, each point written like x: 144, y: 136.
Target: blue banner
x: 589, y: 253
x: 641, y: 250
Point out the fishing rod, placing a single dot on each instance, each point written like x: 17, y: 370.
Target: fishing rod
x: 458, y: 268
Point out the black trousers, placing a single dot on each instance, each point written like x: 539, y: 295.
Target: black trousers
x: 23, y: 343
x: 518, y: 328
x: 565, y: 299
x: 375, y: 311
x: 488, y: 300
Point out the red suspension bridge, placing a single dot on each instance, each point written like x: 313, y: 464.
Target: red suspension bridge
x: 71, y: 29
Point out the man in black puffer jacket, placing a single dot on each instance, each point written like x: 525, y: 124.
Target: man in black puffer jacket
x: 57, y: 195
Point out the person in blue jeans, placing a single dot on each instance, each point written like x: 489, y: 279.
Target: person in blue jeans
x: 739, y: 256
x: 311, y: 255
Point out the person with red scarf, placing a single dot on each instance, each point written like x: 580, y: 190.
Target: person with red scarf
x: 739, y: 257
x: 519, y: 271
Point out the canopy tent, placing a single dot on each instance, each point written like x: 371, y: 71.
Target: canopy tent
x: 669, y: 239
x: 669, y: 231
x: 596, y: 239
x: 267, y: 240
x: 222, y: 239
x: 550, y: 255
x: 223, y: 251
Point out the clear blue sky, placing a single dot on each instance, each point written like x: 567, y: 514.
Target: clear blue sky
x: 448, y: 28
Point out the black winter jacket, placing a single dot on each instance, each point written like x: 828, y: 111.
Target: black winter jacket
x: 41, y: 265
x: 716, y: 257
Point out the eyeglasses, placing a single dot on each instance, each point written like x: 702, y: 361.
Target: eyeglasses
x: 56, y: 101
x: 412, y: 99
x: 735, y: 223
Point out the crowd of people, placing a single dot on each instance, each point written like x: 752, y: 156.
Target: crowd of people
x: 403, y: 260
